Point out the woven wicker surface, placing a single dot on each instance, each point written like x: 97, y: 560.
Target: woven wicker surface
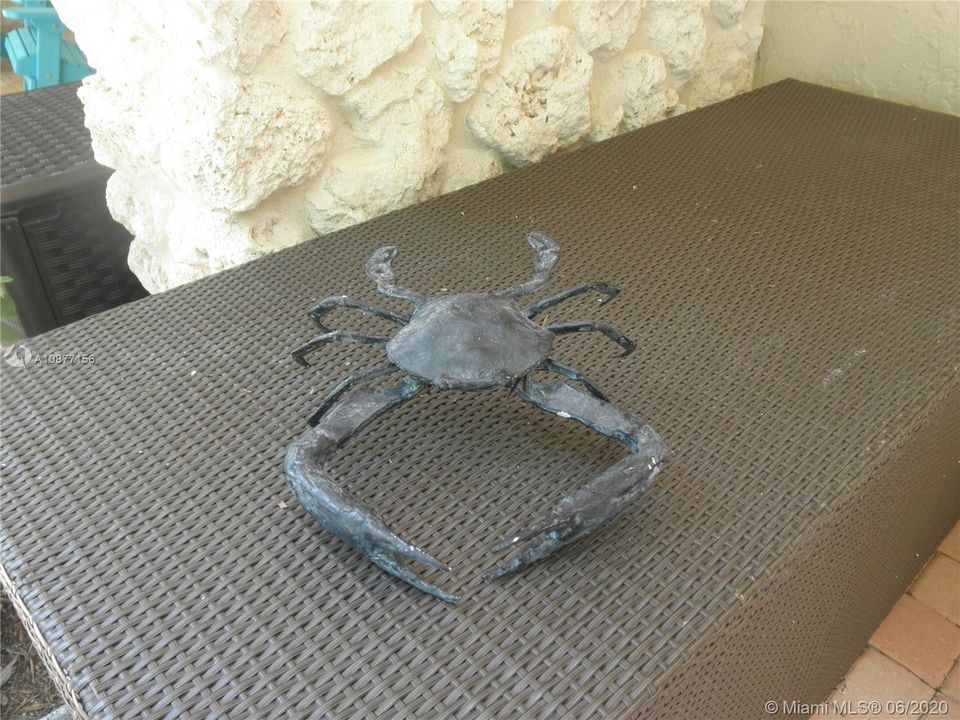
x: 788, y: 260
x: 80, y: 252
x: 43, y: 135
x: 55, y: 189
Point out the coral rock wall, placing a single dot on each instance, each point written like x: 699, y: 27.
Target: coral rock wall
x: 239, y: 127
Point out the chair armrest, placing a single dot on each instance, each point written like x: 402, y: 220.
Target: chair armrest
x: 43, y: 18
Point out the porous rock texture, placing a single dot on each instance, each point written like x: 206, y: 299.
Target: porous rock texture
x: 467, y: 42
x: 539, y: 100
x: 400, y: 124
x: 604, y: 27
x: 338, y: 44
x: 239, y: 127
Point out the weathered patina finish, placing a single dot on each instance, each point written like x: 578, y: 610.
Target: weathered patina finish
x: 467, y: 342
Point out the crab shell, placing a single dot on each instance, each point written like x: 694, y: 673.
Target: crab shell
x: 469, y: 342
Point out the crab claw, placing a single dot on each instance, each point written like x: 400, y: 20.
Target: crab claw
x: 342, y: 513
x: 378, y: 269
x: 543, y: 244
x: 586, y: 508
x: 392, y: 566
x: 579, y: 513
x: 378, y: 266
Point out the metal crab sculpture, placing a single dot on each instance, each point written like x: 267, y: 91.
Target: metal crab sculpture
x: 468, y: 341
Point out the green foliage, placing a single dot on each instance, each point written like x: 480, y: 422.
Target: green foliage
x: 8, y: 313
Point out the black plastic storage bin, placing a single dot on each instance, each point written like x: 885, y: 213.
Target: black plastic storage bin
x: 66, y: 254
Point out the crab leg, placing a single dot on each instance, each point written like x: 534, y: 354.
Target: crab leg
x: 328, y: 305
x: 588, y: 326
x: 301, y: 352
x: 345, y: 515
x: 583, y: 510
x: 611, y: 291
x: 571, y: 374
x: 340, y: 389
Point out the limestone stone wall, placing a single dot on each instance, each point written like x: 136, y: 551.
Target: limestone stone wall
x: 239, y: 127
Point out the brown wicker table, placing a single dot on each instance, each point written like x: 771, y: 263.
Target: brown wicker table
x: 67, y: 256
x: 789, y: 263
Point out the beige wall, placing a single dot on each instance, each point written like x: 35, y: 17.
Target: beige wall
x: 908, y: 52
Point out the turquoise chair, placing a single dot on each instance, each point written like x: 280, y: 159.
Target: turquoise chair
x: 37, y: 52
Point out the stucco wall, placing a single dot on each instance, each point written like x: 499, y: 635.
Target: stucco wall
x: 908, y: 52
x: 239, y: 127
